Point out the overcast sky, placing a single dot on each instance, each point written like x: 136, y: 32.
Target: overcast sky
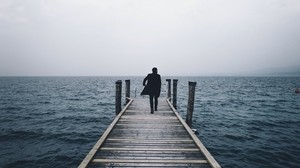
x: 129, y: 37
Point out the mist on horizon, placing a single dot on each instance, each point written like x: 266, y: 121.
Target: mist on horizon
x: 129, y: 37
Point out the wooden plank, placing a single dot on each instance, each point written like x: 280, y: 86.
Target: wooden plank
x: 150, y: 149
x: 154, y: 123
x: 156, y: 129
x: 148, y: 161
x: 157, y: 152
x: 149, y: 141
x: 152, y: 141
x: 148, y: 131
x: 146, y: 155
x: 145, y: 117
x: 150, y: 155
x: 147, y: 146
x: 149, y: 165
x: 147, y: 111
x: 149, y: 124
x: 149, y: 121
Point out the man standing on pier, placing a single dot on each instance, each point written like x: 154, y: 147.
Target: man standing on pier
x: 152, y: 88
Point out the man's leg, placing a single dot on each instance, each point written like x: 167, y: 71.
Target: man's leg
x: 156, y: 102
x: 151, y: 102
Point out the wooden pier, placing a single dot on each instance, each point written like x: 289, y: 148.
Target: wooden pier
x: 137, y: 138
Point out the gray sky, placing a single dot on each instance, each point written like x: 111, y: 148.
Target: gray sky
x: 129, y: 37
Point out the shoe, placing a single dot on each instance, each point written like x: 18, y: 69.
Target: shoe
x: 152, y: 111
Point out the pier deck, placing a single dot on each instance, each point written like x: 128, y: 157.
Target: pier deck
x: 137, y: 138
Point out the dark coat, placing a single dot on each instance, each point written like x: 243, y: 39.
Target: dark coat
x: 153, y: 84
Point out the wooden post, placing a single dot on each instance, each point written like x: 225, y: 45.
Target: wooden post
x: 175, y: 93
x: 127, y: 90
x: 169, y: 88
x: 190, y: 107
x: 118, y: 96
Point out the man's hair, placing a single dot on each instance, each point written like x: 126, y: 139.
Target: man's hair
x: 154, y: 69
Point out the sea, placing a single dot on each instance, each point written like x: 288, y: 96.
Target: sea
x: 53, y: 122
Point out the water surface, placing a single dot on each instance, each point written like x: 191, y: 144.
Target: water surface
x: 55, y: 121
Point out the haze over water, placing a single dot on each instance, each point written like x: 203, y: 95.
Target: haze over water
x: 130, y: 37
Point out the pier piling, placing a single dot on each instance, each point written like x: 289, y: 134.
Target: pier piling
x: 118, y: 96
x: 169, y: 88
x: 190, y: 107
x: 127, y: 90
x: 175, y: 93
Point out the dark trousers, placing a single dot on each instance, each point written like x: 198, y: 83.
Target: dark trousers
x: 155, y: 101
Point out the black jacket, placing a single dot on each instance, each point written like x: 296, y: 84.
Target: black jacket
x: 153, y: 84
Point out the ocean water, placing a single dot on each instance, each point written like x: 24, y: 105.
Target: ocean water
x: 243, y: 121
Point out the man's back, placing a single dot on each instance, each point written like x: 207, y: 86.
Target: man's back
x: 154, y: 81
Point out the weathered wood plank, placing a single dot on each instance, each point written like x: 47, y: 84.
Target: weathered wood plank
x: 146, y: 157
x: 150, y: 141
x: 151, y: 149
x: 147, y: 140
x: 149, y: 165
x: 156, y: 152
x: 150, y: 123
x: 146, y: 111
x: 146, y: 117
x: 147, y: 146
x: 147, y: 124
x: 150, y: 155
x: 148, y: 161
